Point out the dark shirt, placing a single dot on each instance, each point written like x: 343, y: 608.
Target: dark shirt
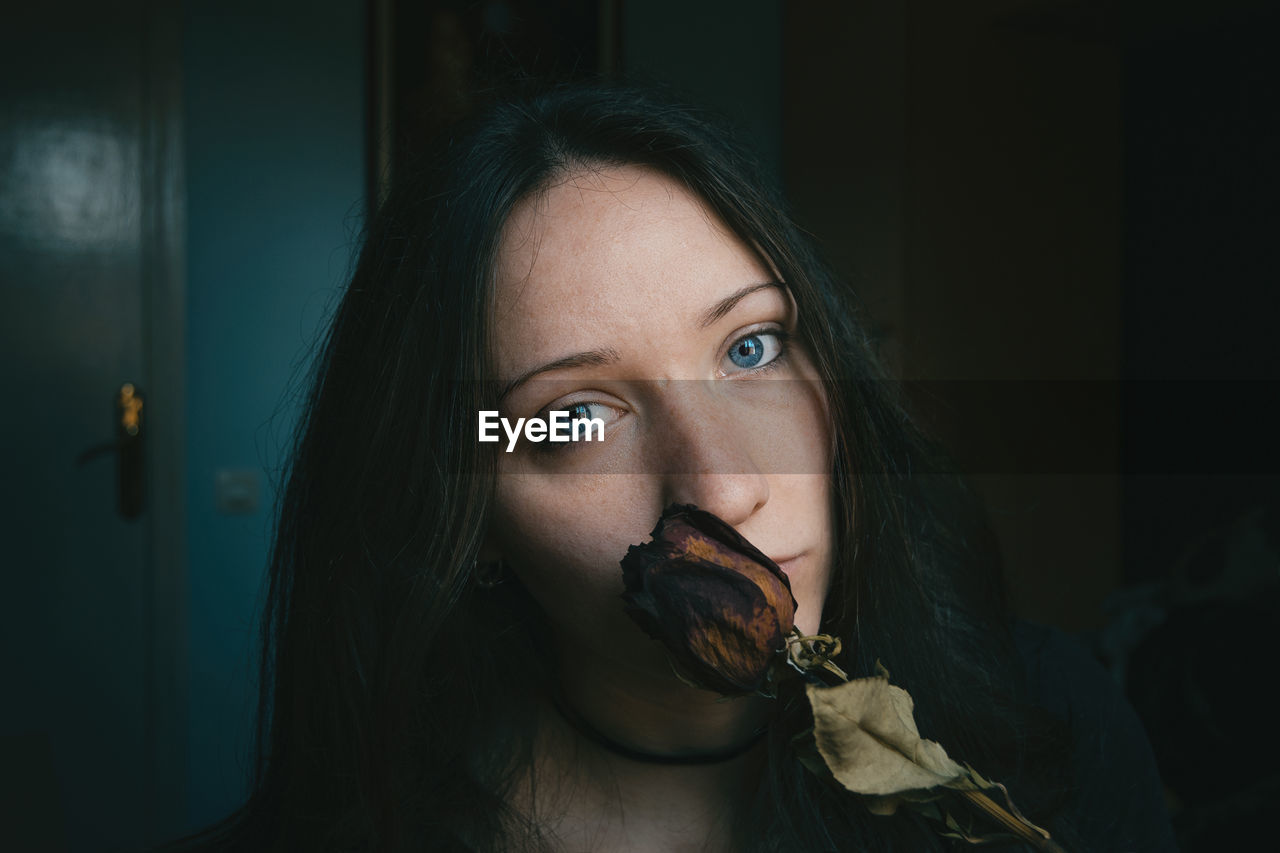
x: 1120, y: 800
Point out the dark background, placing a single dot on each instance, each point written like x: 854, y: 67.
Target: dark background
x: 1061, y: 216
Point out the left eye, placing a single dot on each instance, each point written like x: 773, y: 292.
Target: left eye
x: 755, y: 350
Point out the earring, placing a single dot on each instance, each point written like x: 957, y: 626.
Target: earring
x: 489, y: 574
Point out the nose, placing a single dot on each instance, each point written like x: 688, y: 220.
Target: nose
x: 705, y: 451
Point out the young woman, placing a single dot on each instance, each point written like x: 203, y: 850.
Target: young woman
x: 448, y: 662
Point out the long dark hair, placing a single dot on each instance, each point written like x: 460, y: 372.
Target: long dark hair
x: 392, y: 686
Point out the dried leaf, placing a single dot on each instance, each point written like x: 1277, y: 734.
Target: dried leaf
x: 866, y: 732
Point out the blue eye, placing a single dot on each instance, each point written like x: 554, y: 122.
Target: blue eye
x: 756, y: 349
x: 580, y: 411
x: 747, y: 352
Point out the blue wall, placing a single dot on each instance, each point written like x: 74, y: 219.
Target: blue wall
x: 274, y: 110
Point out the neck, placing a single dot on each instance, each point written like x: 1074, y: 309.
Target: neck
x: 687, y: 759
x: 597, y: 779
x: 590, y: 797
x: 648, y: 711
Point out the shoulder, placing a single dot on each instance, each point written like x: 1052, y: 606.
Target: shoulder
x: 1119, y: 797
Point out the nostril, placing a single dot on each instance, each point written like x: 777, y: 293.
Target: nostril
x: 733, y: 497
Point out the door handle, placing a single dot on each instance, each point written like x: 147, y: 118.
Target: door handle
x: 130, y: 471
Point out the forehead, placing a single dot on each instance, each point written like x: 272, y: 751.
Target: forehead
x: 610, y: 257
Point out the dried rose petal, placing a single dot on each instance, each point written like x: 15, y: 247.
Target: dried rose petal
x: 720, y: 607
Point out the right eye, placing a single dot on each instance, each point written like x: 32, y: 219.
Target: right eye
x: 585, y: 411
x: 581, y: 410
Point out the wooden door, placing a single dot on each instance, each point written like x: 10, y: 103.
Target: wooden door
x: 90, y: 299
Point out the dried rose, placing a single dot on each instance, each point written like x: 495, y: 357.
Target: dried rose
x: 721, y: 608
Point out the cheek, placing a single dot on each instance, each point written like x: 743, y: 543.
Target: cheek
x: 563, y: 536
x: 810, y: 513
x: 806, y: 485
x: 780, y: 426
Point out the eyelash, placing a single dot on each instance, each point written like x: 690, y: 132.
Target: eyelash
x: 548, y: 448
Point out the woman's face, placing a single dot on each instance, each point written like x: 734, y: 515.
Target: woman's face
x: 621, y: 297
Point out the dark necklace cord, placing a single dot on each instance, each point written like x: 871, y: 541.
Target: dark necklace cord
x: 600, y: 739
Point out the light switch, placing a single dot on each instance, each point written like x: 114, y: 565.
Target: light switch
x: 235, y: 490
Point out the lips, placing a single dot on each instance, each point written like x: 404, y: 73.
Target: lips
x: 720, y: 606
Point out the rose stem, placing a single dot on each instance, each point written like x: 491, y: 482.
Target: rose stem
x: 986, y: 804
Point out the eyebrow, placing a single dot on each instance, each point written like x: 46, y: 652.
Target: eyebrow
x: 724, y: 306
x: 602, y: 357
x: 590, y: 358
